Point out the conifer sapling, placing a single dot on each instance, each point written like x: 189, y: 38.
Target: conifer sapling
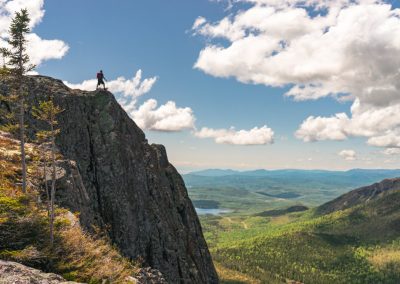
x: 47, y: 111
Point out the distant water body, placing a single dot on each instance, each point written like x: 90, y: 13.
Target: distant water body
x: 215, y: 211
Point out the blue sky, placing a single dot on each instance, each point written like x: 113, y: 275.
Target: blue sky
x: 156, y: 36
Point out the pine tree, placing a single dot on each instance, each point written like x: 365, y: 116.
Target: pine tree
x: 47, y: 111
x: 19, y: 66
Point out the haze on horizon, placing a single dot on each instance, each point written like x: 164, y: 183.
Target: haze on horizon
x: 246, y: 84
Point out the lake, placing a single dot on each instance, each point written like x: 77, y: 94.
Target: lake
x: 215, y: 211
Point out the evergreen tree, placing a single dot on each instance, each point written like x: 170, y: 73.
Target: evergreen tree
x: 47, y: 111
x: 19, y: 66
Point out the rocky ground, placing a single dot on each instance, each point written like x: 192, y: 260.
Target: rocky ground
x: 15, y: 273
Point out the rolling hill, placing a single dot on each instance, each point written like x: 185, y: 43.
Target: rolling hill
x: 352, y: 242
x: 260, y: 190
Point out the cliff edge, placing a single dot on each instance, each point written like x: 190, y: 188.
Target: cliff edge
x: 121, y: 184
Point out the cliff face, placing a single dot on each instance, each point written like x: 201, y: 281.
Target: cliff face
x: 124, y: 185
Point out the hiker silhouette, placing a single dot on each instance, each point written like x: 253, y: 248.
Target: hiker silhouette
x: 100, y: 80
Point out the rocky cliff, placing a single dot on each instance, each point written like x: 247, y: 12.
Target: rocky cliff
x: 121, y: 184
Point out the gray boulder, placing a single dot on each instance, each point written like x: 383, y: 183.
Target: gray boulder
x: 15, y: 273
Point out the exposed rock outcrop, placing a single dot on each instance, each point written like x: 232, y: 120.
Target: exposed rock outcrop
x: 149, y: 276
x: 16, y: 273
x: 120, y: 183
x: 12, y: 272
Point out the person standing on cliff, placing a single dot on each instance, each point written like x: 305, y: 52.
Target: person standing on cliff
x: 100, y: 80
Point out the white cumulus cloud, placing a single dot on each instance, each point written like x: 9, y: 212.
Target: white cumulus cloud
x: 255, y: 136
x: 323, y: 128
x: 348, y: 155
x: 390, y: 139
x: 9, y: 7
x: 167, y: 117
x: 39, y: 50
x: 322, y: 47
x: 341, y: 48
x: 381, y: 125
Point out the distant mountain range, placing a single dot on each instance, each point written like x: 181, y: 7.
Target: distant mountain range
x: 294, y: 179
x: 258, y: 189
x: 264, y: 173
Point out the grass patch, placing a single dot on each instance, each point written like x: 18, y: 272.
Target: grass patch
x: 229, y: 276
x: 87, y: 259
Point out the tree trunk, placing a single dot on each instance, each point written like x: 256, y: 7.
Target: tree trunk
x: 53, y: 183
x: 22, y: 138
x: 21, y: 116
x: 45, y: 181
